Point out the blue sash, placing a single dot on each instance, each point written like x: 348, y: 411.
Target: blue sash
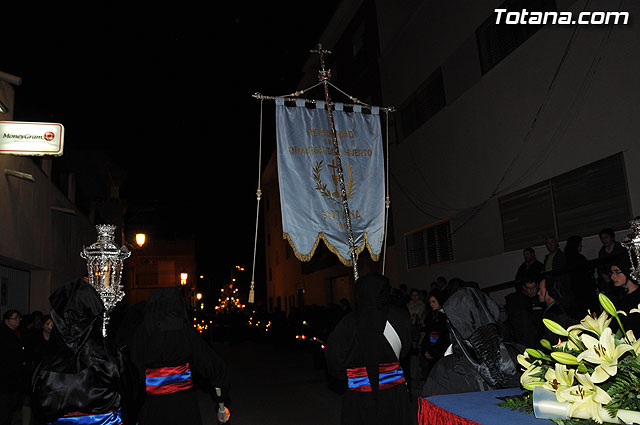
x: 110, y: 418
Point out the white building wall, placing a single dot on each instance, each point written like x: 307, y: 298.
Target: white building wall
x: 568, y: 96
x: 38, y: 233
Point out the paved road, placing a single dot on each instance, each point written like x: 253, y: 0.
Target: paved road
x: 275, y: 387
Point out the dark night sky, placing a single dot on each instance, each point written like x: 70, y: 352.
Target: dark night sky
x: 166, y: 88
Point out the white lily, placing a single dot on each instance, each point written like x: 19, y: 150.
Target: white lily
x: 603, y: 352
x: 634, y: 342
x: 559, y: 379
x: 568, y: 344
x: 586, y: 396
x: 523, y: 360
x: 592, y: 324
x: 526, y: 379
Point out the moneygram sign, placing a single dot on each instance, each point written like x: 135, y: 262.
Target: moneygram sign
x: 31, y: 138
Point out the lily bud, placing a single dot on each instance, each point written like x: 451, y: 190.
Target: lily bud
x: 555, y: 327
x: 565, y: 358
x: 534, y: 353
x: 607, y: 305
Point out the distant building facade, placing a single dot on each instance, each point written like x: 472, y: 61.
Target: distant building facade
x: 160, y: 264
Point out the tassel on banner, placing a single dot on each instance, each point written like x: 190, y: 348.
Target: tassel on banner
x: 252, y: 294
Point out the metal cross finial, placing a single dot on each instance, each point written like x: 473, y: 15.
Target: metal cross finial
x: 324, y: 74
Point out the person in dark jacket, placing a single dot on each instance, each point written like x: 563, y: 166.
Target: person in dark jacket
x: 531, y: 266
x: 524, y: 313
x: 621, y: 278
x: 365, y: 349
x: 436, y: 335
x: 550, y: 292
x: 39, y: 344
x: 611, y: 250
x: 581, y: 279
x: 169, y: 355
x: 12, y: 366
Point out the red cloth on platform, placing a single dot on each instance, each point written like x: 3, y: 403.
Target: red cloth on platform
x: 430, y: 414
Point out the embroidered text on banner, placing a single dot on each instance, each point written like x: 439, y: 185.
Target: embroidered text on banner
x: 310, y: 196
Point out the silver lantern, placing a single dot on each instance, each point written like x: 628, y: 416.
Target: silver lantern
x: 104, y: 265
x: 632, y: 243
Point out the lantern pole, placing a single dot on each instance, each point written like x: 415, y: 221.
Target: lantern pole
x: 324, y: 76
x: 104, y: 266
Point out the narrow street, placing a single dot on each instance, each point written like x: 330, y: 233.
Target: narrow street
x: 275, y: 386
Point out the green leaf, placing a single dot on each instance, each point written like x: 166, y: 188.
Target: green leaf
x: 521, y: 403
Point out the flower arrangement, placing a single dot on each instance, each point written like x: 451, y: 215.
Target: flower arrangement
x: 594, y: 373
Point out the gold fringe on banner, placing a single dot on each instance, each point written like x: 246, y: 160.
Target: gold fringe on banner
x: 346, y: 261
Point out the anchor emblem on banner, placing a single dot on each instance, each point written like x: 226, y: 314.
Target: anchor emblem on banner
x: 321, y: 187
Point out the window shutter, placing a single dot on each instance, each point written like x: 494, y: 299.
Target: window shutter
x: 430, y: 245
x: 591, y: 198
x: 527, y: 216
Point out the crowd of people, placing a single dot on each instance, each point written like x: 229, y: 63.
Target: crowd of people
x: 25, y: 342
x: 564, y: 287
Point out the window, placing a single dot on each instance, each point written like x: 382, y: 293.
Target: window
x: 580, y: 202
x: 430, y: 245
x: 591, y: 198
x: 497, y: 41
x: 422, y: 105
x: 527, y: 216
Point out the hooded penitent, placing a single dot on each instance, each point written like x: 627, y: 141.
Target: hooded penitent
x: 481, y: 360
x: 168, y: 353
x: 359, y: 352
x: 82, y: 378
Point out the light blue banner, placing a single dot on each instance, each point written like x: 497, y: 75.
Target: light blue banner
x: 310, y: 195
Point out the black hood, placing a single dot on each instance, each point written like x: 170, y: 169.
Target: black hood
x: 76, y: 310
x: 165, y: 310
x: 374, y: 292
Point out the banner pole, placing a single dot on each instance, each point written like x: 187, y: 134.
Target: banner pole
x: 324, y: 76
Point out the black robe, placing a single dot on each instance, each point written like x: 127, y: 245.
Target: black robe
x: 481, y: 360
x: 166, y: 338
x: 631, y: 321
x: 358, y: 341
x: 84, y: 375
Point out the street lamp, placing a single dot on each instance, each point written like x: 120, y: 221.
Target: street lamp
x: 140, y: 239
x: 183, y: 278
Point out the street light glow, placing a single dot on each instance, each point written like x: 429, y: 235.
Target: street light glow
x: 140, y: 238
